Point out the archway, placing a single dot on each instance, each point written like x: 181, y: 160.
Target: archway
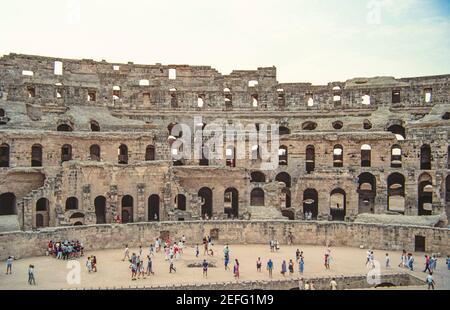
x: 366, y: 155
x: 36, y: 155
x: 66, y: 152
x: 338, y: 204
x: 285, y: 178
x: 425, y: 194
x: 77, y: 219
x: 206, y: 195
x: 283, y: 156
x: 150, y: 153
x: 4, y: 155
x: 310, y: 158
x: 100, y: 209
x: 181, y: 202
x: 396, y: 193
x: 8, y: 204
x: 71, y: 203
x: 257, y: 197
x: 257, y: 177
x: 425, y: 157
x: 310, y: 203
x: 127, y: 209
x: 338, y: 156
x: 94, y: 152
x: 64, y: 128
x: 123, y: 154
x: 231, y: 202
x: 399, y: 131
x: 396, y: 156
x: 42, y: 213
x: 367, y: 190
x: 153, y: 208
x: 447, y: 195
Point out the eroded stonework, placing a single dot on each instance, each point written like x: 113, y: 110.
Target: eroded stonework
x: 86, y: 142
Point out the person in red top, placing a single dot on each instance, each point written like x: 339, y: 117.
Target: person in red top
x: 427, y: 264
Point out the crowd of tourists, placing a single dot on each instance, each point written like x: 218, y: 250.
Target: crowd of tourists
x: 65, y: 249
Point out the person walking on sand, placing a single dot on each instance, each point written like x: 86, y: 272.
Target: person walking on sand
x: 89, y: 264
x: 172, y: 267
x: 291, y: 267
x: 301, y: 265
x: 327, y: 261
x: 333, y: 284
x: 226, y: 261
x: 126, y: 253
x: 197, y: 251
x: 427, y: 264
x: 270, y: 267
x: 430, y: 281
x: 31, y: 279
x: 236, y: 269
x: 149, y: 266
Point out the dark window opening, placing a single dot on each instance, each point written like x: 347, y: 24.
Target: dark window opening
x: 257, y: 177
x: 425, y: 157
x: 396, y: 96
x: 123, y: 154
x: 72, y: 203
x: 66, y: 153
x: 4, y: 155
x: 95, y: 126
x: 310, y: 158
x: 257, y: 197
x: 150, y: 153
x: 94, y: 152
x: 338, y: 156
x: 36, y: 156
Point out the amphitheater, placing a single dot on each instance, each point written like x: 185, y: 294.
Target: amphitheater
x: 88, y: 150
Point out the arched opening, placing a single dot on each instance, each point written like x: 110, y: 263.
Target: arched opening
x: 425, y: 194
x: 447, y: 195
x: 338, y: 156
x: 257, y: 197
x: 204, y: 161
x: 123, y: 154
x: 95, y: 126
x: 399, y: 131
x: 127, y: 209
x: 366, y: 155
x: 396, y: 193
x: 310, y: 158
x: 338, y: 204
x: 4, y: 155
x: 181, y: 202
x: 425, y: 157
x: 367, y: 190
x: 309, y: 126
x: 42, y: 213
x: 310, y: 204
x: 8, y: 204
x: 150, y: 153
x: 285, y: 198
x: 396, y: 156
x: 283, y: 155
x: 66, y: 152
x: 36, y: 155
x: 256, y: 152
x: 2, y: 113
x: 285, y: 178
x: 153, y: 208
x: 173, y: 98
x: 64, y: 127
x: 228, y: 98
x: 283, y: 130
x: 206, y: 196
x: 367, y: 125
x: 71, y: 203
x: 117, y: 92
x: 77, y: 219
x: 448, y: 157
x: 175, y: 130
x: 231, y: 203
x: 100, y: 209
x: 230, y: 154
x: 94, y: 152
x: 257, y: 177
x: 338, y: 125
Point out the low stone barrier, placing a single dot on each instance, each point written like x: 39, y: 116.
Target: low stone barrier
x: 112, y: 236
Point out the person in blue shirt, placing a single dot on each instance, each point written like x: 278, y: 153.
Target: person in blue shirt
x: 270, y: 267
x: 301, y: 265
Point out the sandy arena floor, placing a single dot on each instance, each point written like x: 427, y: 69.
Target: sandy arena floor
x: 113, y: 272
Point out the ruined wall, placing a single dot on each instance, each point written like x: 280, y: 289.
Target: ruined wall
x: 374, y: 236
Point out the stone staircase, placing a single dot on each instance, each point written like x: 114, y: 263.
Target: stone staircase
x: 51, y: 184
x: 265, y: 213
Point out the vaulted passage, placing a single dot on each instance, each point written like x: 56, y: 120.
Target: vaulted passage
x: 94, y: 152
x: 123, y: 154
x: 338, y: 204
x: 396, y: 193
x: 72, y: 203
x: 8, y: 204
x: 150, y: 153
x: 42, y: 213
x: 206, y: 196
x: 425, y: 194
x: 257, y: 197
x: 36, y: 155
x: 231, y: 203
x: 100, y: 209
x: 66, y: 153
x: 153, y: 208
x: 257, y: 177
x: 4, y: 155
x: 127, y: 209
x: 367, y: 190
x: 180, y: 200
x: 285, y: 198
x: 310, y: 203
x: 425, y: 157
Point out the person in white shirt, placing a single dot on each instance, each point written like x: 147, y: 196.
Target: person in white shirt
x: 126, y: 253
x: 333, y: 285
x: 388, y: 261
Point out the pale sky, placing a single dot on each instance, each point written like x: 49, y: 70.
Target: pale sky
x: 316, y: 41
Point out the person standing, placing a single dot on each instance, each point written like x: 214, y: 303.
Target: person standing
x: 258, y: 264
x: 205, y: 268
x: 172, y: 266
x: 9, y: 263
x: 126, y: 253
x: 283, y: 268
x: 270, y: 267
x: 410, y: 263
x: 301, y: 284
x: 197, y: 251
x: 89, y: 264
x: 297, y: 255
x: 291, y: 267
x: 327, y: 261
x: 430, y: 281
x: 301, y: 265
x: 149, y: 266
x: 388, y: 261
x: 31, y: 279
x: 226, y: 261
x: 403, y: 259
x: 94, y: 263
x: 333, y: 284
x: 448, y: 262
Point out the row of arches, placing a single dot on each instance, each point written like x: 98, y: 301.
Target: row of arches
x: 68, y: 126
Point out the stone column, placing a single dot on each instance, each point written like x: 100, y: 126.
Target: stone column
x: 140, y: 204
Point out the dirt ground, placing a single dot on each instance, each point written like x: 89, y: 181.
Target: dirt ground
x: 112, y: 272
